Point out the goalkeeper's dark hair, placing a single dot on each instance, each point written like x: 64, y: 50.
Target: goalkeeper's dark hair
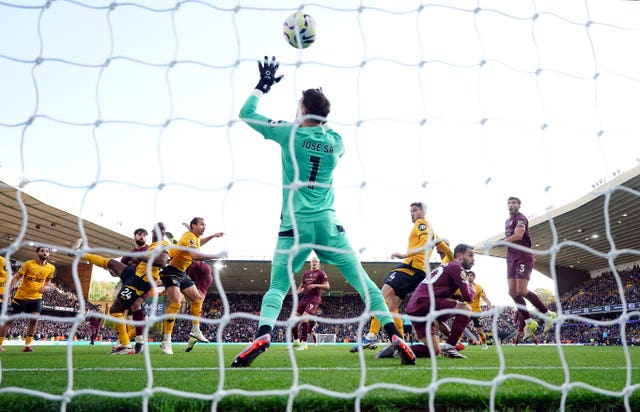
x: 316, y: 103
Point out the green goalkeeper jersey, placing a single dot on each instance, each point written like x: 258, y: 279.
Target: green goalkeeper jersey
x: 309, y: 155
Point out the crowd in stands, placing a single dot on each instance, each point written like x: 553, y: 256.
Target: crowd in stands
x: 343, y: 316
x: 59, y: 301
x: 60, y: 295
x: 603, y: 290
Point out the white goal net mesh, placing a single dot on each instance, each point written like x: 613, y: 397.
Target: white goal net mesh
x: 126, y: 114
x: 325, y: 338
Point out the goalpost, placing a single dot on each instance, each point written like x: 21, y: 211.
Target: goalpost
x: 326, y: 338
x: 127, y: 114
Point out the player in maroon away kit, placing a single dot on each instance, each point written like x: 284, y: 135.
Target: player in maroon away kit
x: 519, y: 267
x: 313, y: 282
x: 444, y: 282
x: 96, y: 323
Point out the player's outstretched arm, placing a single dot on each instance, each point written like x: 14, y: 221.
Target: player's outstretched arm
x: 205, y: 256
x: 204, y: 240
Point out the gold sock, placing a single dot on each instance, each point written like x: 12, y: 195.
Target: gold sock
x: 121, y: 330
x: 28, y: 340
x: 374, y: 329
x: 398, y: 323
x: 97, y: 260
x: 131, y: 331
x: 171, y: 309
x: 375, y: 326
x: 196, y: 310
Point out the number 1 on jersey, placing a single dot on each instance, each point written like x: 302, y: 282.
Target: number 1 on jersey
x: 315, y: 166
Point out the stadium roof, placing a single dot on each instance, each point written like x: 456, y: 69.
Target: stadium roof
x: 47, y: 226
x: 579, y: 230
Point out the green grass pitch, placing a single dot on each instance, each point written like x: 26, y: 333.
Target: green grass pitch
x: 327, y: 377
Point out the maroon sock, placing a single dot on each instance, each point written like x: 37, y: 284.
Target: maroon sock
x: 305, y: 332
x: 522, y: 310
x: 138, y: 315
x: 535, y: 301
x: 312, y: 324
x: 294, y: 331
x: 421, y: 351
x: 457, y: 328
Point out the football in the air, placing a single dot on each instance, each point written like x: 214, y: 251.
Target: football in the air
x: 299, y: 30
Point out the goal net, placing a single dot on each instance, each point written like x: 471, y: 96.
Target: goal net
x: 326, y: 338
x: 126, y: 114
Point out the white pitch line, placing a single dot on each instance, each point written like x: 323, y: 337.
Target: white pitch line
x: 262, y: 369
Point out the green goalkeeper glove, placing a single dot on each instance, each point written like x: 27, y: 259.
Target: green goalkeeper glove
x: 268, y: 74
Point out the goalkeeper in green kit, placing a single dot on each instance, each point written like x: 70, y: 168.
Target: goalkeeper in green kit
x: 310, y: 152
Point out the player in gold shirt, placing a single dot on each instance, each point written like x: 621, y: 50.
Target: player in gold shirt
x: 476, y: 307
x: 176, y: 281
x: 135, y: 282
x: 36, y: 278
x: 405, y: 277
x: 3, y: 276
